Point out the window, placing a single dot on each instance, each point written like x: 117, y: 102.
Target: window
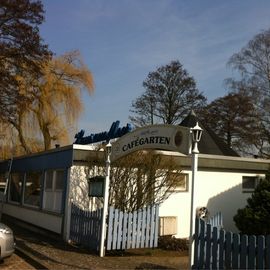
x: 249, y: 183
x: 49, y: 180
x: 2, y: 182
x: 15, y: 187
x: 54, y: 185
x: 167, y: 226
x: 59, y: 180
x: 32, y: 188
x: 181, y: 181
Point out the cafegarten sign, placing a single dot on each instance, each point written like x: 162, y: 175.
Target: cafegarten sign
x: 163, y: 137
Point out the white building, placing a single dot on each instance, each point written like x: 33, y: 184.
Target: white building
x: 43, y: 185
x: 223, y: 185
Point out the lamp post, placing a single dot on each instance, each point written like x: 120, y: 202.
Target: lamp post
x: 196, y: 137
x: 106, y: 198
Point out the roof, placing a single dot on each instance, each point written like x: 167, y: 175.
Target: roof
x: 210, y: 143
x: 218, y: 163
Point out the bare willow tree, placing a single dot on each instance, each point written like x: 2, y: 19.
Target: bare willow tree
x: 54, y: 102
x: 143, y: 178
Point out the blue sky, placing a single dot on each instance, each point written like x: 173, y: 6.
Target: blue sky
x: 121, y: 41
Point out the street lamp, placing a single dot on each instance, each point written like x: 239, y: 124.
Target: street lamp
x: 196, y: 137
x: 108, y: 150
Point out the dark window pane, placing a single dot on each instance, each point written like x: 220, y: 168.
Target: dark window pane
x: 59, y: 180
x: 2, y: 182
x: 32, y: 188
x: 15, y: 192
x: 49, y: 180
x: 249, y: 182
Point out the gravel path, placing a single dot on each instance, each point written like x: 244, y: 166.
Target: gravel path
x: 46, y: 252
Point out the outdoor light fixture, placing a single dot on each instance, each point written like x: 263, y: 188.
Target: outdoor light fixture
x: 108, y: 148
x: 196, y: 137
x: 96, y: 186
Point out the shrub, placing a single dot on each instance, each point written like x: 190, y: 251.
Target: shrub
x: 254, y: 218
x: 169, y: 242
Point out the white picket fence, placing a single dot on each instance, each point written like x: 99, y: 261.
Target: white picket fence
x: 138, y: 229
x: 216, y: 220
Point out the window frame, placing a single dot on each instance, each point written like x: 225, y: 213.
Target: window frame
x: 53, y: 191
x: 3, y: 176
x: 55, y: 178
x: 185, y: 188
x: 40, y: 192
x: 257, y: 179
x: 9, y: 200
x: 45, y: 180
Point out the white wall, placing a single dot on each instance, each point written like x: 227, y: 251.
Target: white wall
x: 78, y: 189
x: 218, y: 191
x: 47, y: 221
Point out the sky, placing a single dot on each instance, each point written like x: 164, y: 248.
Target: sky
x: 121, y: 41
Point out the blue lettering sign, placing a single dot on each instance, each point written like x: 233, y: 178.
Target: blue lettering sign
x: 114, y: 132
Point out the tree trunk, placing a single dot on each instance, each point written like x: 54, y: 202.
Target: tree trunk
x: 18, y: 127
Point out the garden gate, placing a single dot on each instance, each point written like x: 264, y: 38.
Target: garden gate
x: 138, y: 229
x: 85, y: 227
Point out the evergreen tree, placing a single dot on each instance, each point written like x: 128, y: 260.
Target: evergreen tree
x: 254, y: 218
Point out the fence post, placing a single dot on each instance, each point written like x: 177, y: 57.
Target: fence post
x: 68, y: 220
x: 228, y: 250
x: 251, y: 251
x: 236, y: 251
x: 260, y: 252
x: 267, y: 252
x: 208, y: 246
x: 243, y: 253
x: 215, y: 248
x: 202, y: 244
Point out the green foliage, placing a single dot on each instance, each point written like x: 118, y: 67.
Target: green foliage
x: 254, y: 218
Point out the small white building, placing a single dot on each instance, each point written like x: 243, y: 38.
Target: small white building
x: 43, y: 185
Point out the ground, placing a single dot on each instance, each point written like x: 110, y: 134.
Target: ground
x: 41, y: 251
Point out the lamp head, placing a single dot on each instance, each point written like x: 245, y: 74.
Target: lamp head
x: 196, y: 133
x: 108, y: 148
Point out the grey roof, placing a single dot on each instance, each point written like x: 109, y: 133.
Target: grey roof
x: 210, y: 143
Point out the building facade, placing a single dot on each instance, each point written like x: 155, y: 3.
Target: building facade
x: 42, y: 186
